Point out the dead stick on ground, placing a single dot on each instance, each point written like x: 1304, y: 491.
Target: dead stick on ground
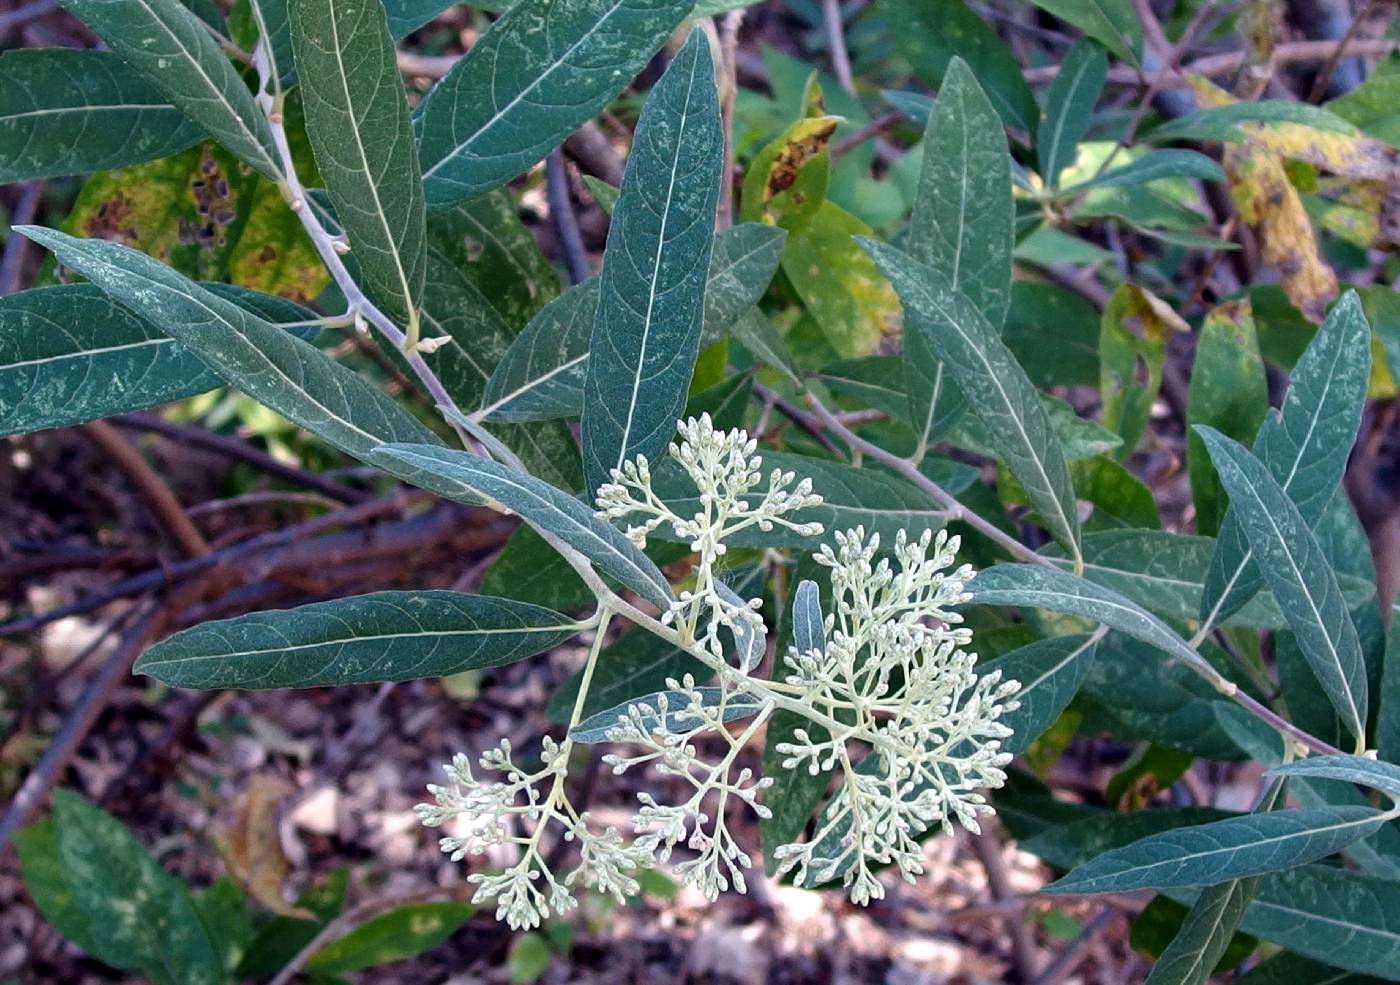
x: 1064, y: 965
x: 152, y: 489
x: 988, y: 848
x: 78, y: 723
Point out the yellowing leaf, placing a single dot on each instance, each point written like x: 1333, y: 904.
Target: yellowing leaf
x: 254, y: 849
x: 1269, y: 203
x: 1132, y: 348
x: 206, y: 215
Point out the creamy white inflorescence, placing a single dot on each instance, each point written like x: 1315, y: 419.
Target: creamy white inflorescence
x: 896, y: 710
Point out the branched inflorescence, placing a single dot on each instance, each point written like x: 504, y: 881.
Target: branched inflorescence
x: 895, y: 709
x: 894, y: 672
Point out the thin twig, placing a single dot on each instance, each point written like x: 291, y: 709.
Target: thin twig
x: 1064, y: 965
x: 352, y: 918
x: 728, y: 46
x: 77, y: 725
x: 561, y: 213
x: 196, y: 437
x: 173, y: 573
x: 153, y: 490
x: 16, y: 247
x: 1329, y: 67
x: 1288, y: 53
x: 809, y: 424
x: 25, y: 13
x: 836, y: 43
x: 988, y: 848
x: 874, y: 128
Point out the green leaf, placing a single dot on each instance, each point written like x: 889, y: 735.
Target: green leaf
x: 224, y: 913
x: 70, y: 354
x: 1374, y: 106
x: 1292, y: 969
x: 1299, y: 576
x: 384, y: 636
x: 1343, y: 918
x: 47, y: 885
x: 665, y: 711
x: 1077, y: 842
x: 1234, y: 848
x: 1069, y: 108
x: 541, y: 375
x: 1219, y: 123
x: 146, y: 918
x: 1228, y: 391
x: 1112, y: 22
x: 465, y: 477
x: 357, y: 122
x: 988, y: 374
x: 962, y: 227
x: 808, y: 633
x: 271, y: 366
x: 492, y: 247
x: 1209, y: 927
x: 283, y: 938
x: 1133, y: 335
x: 528, y: 959
x: 1173, y: 163
x: 64, y: 111
x: 646, y: 332
x: 1050, y: 672
x: 1359, y: 770
x: 407, y: 16
x: 1164, y: 573
x: 167, y: 44
x: 529, y: 81
x: 401, y: 933
x: 930, y: 33
x: 852, y: 497
x: 1059, y: 591
x: 1306, y: 451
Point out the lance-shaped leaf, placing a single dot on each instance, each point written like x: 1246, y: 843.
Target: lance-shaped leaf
x: 65, y: 111
x: 1111, y: 22
x: 1360, y: 770
x: 537, y: 73
x: 1229, y: 392
x: 665, y: 711
x: 1294, y: 969
x: 1299, y: 576
x: 1344, y: 918
x: 1069, y: 108
x: 1164, y: 573
x: 1059, y: 591
x: 1234, y: 848
x: 1155, y: 164
x: 70, y: 354
x: 1210, y: 925
x: 1305, y: 451
x: 962, y: 227
x: 541, y: 376
x: 987, y: 373
x: 407, y: 16
x: 139, y: 913
x: 357, y: 122
x: 385, y: 636
x: 169, y: 46
x: 1050, y: 672
x: 272, y: 366
x: 646, y: 332
x: 808, y: 632
x: 464, y: 477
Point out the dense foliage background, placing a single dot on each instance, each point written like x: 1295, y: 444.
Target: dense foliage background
x: 987, y: 265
